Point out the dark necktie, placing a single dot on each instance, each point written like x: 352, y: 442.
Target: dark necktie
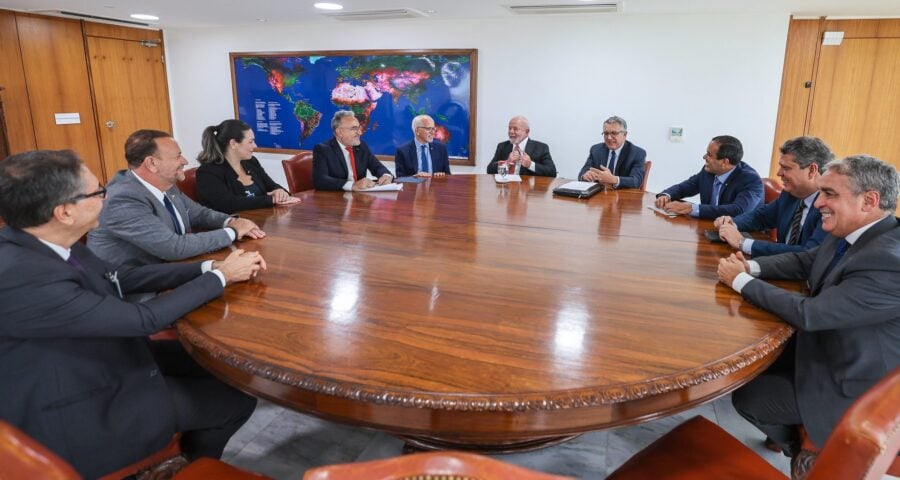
x: 352, y: 162
x: 423, y: 159
x: 717, y: 187
x: 842, y: 247
x: 795, y: 224
x: 171, y: 209
x: 611, y: 165
x: 73, y: 261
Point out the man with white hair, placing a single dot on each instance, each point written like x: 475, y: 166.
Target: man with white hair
x: 422, y: 157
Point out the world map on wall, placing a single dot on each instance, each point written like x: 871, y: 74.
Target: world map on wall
x: 289, y: 99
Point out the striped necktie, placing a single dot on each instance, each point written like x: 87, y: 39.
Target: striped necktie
x: 794, y: 239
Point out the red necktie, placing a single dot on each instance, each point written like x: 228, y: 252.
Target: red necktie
x: 352, y: 162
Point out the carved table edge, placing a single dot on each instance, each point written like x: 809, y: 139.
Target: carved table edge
x: 583, y: 398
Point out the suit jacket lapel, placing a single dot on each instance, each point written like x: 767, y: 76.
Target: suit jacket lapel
x: 177, y: 199
x: 817, y: 281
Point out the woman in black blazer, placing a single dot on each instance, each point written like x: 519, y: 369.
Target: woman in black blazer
x: 230, y: 178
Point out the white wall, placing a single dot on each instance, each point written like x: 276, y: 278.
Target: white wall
x: 711, y: 74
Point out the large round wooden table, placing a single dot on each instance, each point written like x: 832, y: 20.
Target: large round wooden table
x: 461, y: 313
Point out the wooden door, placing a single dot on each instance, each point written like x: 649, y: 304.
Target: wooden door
x: 856, y: 105
x: 129, y: 82
x: 59, y: 92
x: 13, y: 91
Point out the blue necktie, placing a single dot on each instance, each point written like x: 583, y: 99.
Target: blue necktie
x: 717, y: 186
x: 171, y: 209
x: 839, y: 252
x: 424, y: 160
x: 611, y: 165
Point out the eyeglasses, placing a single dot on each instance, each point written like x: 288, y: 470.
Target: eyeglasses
x: 427, y: 129
x: 613, y: 134
x: 99, y: 193
x: 352, y: 129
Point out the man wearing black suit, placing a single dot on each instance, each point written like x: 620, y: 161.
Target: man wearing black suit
x: 793, y: 213
x: 848, y: 327
x: 616, y: 162
x: 342, y: 162
x: 77, y: 372
x: 422, y: 157
x: 523, y: 155
x: 727, y: 186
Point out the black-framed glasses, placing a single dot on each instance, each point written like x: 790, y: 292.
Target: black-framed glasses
x: 99, y: 193
x: 427, y: 129
x: 613, y: 134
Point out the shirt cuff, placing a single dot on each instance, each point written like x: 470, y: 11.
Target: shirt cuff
x: 618, y: 181
x: 747, y: 246
x: 740, y: 281
x: 754, y: 268
x: 232, y: 233
x: 348, y: 187
x: 206, y: 266
x: 695, y: 210
x: 228, y: 220
x: 221, y: 276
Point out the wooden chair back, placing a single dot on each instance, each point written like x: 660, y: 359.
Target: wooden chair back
x: 647, y: 166
x: 298, y: 172
x: 188, y: 186
x: 431, y: 466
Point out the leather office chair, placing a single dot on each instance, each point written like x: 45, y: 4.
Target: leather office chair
x: 647, y: 166
x: 862, y: 446
x: 431, y: 466
x: 23, y: 458
x: 298, y: 171
x: 188, y: 186
x: 771, y: 190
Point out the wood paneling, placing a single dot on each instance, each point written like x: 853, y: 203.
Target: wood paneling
x: 56, y: 71
x: 856, y: 105
x: 130, y: 92
x: 799, y: 63
x: 106, y: 30
x: 883, y: 28
x: 17, y: 113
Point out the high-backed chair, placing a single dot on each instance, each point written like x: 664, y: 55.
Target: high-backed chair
x: 188, y: 186
x: 23, y: 458
x: 772, y: 188
x: 298, y: 171
x: 863, y: 446
x: 431, y: 466
x: 647, y: 166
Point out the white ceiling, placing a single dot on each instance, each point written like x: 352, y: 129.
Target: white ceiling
x: 212, y: 13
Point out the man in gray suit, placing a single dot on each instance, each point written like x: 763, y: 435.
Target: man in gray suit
x: 848, y: 327
x: 148, y: 220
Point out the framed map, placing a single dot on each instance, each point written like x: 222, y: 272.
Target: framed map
x: 289, y: 98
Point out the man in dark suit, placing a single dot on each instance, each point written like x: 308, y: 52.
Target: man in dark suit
x: 523, y: 155
x: 147, y: 219
x: 793, y: 213
x: 616, y: 162
x: 342, y: 162
x: 422, y: 157
x: 727, y: 186
x: 848, y: 327
x: 77, y: 372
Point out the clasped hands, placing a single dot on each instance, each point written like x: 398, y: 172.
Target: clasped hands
x: 240, y: 266
x: 728, y: 232
x: 519, y: 157
x: 601, y: 175
x: 365, y: 182
x: 731, y: 266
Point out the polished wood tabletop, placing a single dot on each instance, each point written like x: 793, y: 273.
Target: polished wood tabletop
x: 464, y: 313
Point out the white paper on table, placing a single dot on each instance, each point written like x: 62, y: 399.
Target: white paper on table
x: 387, y: 187
x: 659, y: 210
x: 507, y: 179
x: 580, y: 186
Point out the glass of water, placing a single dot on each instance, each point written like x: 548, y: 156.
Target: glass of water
x: 502, y: 169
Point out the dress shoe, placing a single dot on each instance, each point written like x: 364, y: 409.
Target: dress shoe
x: 801, y: 464
x: 164, y: 470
